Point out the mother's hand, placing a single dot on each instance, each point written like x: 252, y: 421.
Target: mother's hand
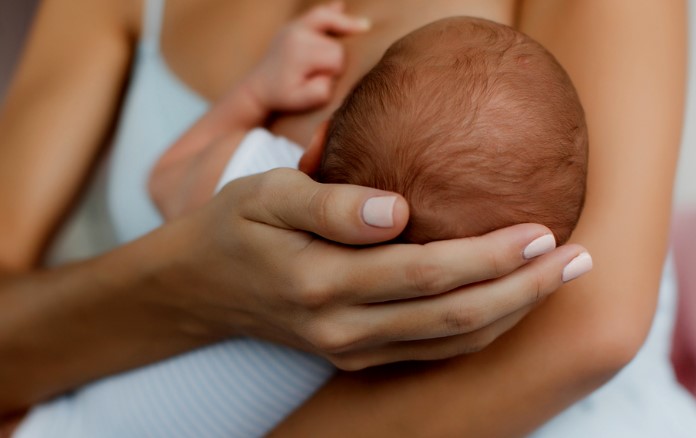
x: 261, y: 269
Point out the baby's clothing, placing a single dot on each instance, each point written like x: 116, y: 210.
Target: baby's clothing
x: 258, y: 152
x: 242, y: 387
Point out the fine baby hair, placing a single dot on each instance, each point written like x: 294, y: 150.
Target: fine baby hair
x: 475, y: 123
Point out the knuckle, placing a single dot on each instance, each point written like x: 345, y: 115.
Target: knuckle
x: 235, y: 191
x: 536, y: 286
x: 331, y: 339
x: 330, y: 63
x: 312, y: 292
x: 495, y: 264
x: 426, y: 278
x: 462, y: 319
x: 335, y: 53
x: 323, y: 92
x: 321, y: 208
x: 268, y: 183
x: 347, y: 364
x: 498, y: 261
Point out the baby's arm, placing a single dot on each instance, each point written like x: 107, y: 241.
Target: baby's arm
x: 296, y: 74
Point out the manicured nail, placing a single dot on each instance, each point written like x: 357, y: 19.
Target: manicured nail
x: 363, y: 23
x: 379, y: 211
x: 540, y: 245
x: 580, y: 265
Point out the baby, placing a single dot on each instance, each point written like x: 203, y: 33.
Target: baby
x: 474, y: 123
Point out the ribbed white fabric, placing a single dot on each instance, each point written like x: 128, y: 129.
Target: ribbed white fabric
x: 238, y: 388
x: 260, y: 151
x: 242, y: 388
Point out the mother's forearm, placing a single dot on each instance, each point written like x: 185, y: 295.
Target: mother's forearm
x: 62, y: 327
x: 509, y: 389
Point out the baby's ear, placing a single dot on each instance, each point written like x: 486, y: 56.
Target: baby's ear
x: 310, y: 161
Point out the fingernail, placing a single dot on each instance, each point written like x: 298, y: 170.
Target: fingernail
x: 363, y: 23
x: 540, y: 245
x: 580, y: 265
x: 379, y: 211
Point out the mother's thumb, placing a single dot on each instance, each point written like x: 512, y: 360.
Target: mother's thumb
x: 287, y: 198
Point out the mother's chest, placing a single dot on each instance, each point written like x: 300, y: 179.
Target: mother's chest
x: 212, y: 44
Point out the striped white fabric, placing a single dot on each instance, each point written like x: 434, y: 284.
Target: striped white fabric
x: 238, y: 388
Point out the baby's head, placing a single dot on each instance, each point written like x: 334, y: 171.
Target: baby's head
x: 474, y: 123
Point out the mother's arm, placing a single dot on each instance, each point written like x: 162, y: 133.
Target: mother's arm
x: 627, y: 60
x: 62, y: 327
x: 239, y: 265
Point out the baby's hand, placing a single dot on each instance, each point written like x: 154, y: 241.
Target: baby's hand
x: 304, y: 59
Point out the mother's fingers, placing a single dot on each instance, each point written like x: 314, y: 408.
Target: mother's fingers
x: 396, y: 272
x: 470, y: 308
x: 429, y: 349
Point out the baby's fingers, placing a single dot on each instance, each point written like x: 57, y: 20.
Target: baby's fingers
x: 316, y: 90
x: 331, y: 18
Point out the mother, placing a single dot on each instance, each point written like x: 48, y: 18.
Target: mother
x: 196, y: 281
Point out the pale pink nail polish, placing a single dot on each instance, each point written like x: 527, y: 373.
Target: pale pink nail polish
x: 580, y: 265
x: 540, y: 245
x: 379, y: 211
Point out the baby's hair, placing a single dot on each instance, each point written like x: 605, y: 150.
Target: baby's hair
x: 476, y: 124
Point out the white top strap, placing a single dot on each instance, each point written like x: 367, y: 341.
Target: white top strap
x: 152, y: 22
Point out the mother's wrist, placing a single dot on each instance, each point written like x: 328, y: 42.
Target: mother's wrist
x: 183, y: 286
x: 147, y: 277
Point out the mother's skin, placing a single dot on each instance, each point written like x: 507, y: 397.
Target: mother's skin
x: 239, y: 265
x: 628, y: 66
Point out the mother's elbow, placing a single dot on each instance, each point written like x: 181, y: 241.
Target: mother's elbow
x: 616, y: 338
